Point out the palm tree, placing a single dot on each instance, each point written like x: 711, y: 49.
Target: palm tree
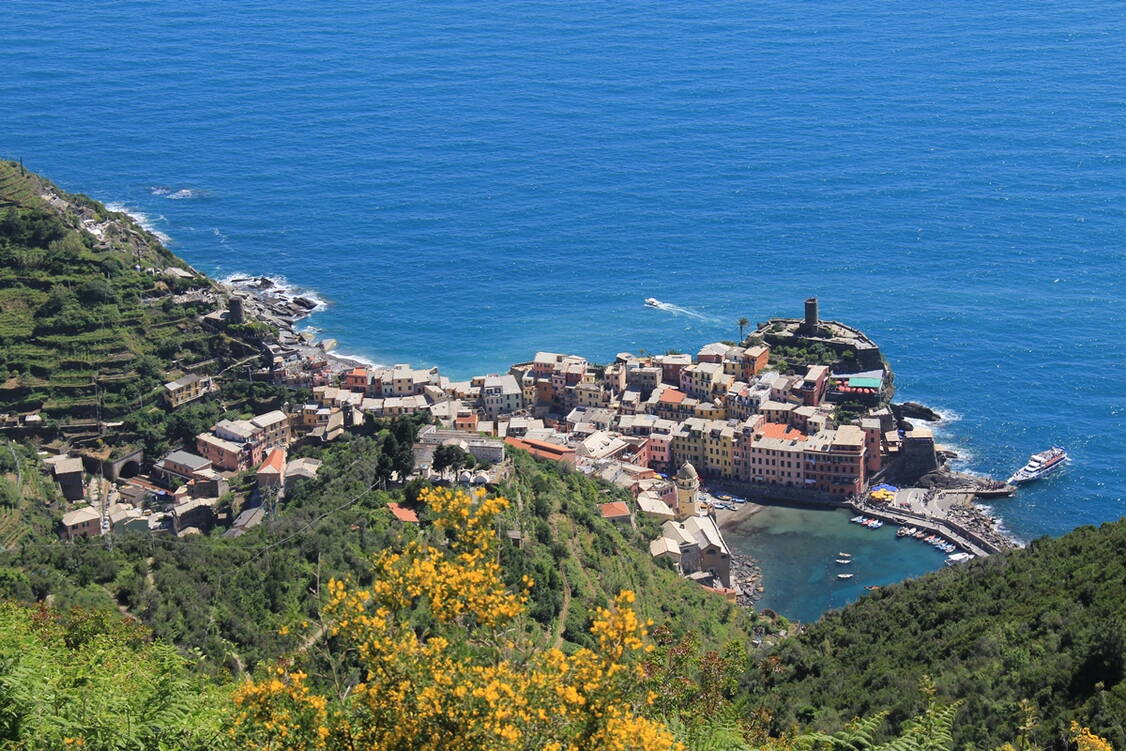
x: 742, y: 325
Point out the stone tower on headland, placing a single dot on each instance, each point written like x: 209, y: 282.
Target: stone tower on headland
x: 809, y: 325
x: 687, y: 491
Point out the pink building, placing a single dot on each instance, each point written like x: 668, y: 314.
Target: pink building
x: 659, y: 449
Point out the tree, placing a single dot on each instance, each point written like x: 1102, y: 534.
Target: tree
x: 742, y: 322
x: 446, y: 666
x: 452, y: 456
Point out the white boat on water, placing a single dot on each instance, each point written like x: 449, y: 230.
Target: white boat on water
x: 845, y: 555
x: 844, y: 560
x: 844, y: 576
x: 954, y: 560
x: 1040, y: 465
x: 652, y: 302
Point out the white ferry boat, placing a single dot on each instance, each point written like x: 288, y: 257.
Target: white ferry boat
x: 1040, y: 465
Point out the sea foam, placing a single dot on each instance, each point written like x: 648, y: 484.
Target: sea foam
x: 140, y: 218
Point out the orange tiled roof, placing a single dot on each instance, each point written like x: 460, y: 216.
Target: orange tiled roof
x: 403, y: 514
x: 542, y: 449
x: 275, y: 460
x: 672, y: 396
x: 780, y: 430
x: 613, y: 510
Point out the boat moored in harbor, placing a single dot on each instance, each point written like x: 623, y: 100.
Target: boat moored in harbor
x: 1039, y: 465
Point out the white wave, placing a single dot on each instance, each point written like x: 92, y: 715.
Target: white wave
x: 140, y: 218
x: 668, y: 307
x: 947, y: 415
x: 159, y: 190
x: 280, y: 289
x: 183, y: 193
x: 362, y: 359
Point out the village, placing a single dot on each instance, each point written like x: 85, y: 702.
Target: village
x: 689, y: 437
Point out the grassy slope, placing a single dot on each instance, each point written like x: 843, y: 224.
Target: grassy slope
x: 1046, y: 624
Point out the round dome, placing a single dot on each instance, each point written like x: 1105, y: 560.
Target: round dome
x: 687, y: 472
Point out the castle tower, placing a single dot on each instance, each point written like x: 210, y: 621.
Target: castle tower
x: 234, y: 307
x: 687, y: 491
x: 809, y: 327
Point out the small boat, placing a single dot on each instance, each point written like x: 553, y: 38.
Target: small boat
x: 1039, y: 465
x: 857, y: 519
x: 845, y: 555
x: 872, y: 587
x: 954, y: 560
x: 844, y: 576
x: 876, y: 524
x: 739, y: 500
x: 919, y: 535
x: 652, y: 302
x: 844, y: 560
x: 902, y: 532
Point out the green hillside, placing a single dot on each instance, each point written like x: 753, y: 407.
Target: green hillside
x: 229, y: 597
x: 89, y: 323
x: 1046, y: 624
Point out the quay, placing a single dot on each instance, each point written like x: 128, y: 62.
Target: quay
x: 931, y: 511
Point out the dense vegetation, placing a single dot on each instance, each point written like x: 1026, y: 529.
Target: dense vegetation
x: 89, y: 679
x: 228, y: 597
x: 1046, y: 624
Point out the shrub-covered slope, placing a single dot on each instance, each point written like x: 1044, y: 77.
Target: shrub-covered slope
x: 1045, y: 624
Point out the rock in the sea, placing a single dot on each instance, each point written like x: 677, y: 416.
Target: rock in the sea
x: 914, y: 410
x: 327, y: 345
x: 305, y: 302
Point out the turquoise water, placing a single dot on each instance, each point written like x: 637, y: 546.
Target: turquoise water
x: 468, y: 182
x: 797, y: 550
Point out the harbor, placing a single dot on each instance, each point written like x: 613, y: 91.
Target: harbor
x: 797, y: 550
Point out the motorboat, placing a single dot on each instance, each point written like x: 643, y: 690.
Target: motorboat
x: 954, y: 560
x: 1039, y: 465
x: 844, y: 560
x: 845, y: 555
x: 652, y: 302
x: 857, y: 519
x: 844, y: 576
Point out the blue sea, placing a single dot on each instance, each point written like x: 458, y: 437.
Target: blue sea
x: 467, y: 182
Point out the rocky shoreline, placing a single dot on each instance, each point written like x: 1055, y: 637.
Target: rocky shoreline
x: 746, y: 576
x: 276, y: 304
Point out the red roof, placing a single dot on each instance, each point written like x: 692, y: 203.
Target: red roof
x: 403, y: 514
x: 275, y: 461
x: 614, y: 510
x: 542, y: 449
x: 780, y: 430
x: 357, y: 373
x: 672, y: 396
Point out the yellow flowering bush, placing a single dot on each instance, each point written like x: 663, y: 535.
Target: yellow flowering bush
x: 1085, y: 740
x: 437, y: 633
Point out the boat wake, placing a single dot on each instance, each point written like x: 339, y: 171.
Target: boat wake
x: 668, y: 307
x: 175, y: 194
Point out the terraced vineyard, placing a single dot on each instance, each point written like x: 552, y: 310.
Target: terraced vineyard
x: 82, y: 291
x: 11, y: 530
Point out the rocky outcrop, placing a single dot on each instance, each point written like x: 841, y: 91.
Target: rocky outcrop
x: 915, y: 411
